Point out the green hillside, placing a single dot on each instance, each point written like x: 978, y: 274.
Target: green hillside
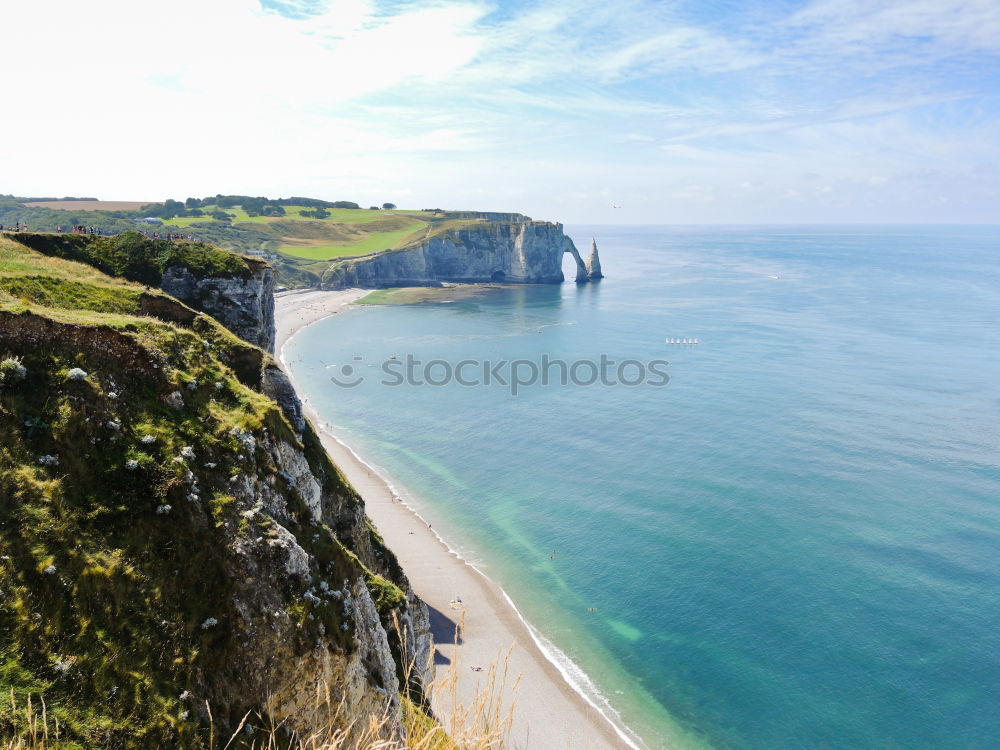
x: 120, y: 532
x: 300, y: 235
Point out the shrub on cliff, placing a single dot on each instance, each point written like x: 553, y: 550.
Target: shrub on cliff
x: 12, y: 370
x: 136, y: 257
x: 157, y: 555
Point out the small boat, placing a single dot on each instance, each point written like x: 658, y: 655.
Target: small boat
x: 392, y: 356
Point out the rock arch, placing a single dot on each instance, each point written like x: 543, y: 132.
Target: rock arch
x: 581, y: 270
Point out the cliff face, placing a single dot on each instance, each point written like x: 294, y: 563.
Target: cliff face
x: 523, y: 251
x: 172, y: 533
x: 594, y: 272
x: 243, y: 304
x: 235, y: 290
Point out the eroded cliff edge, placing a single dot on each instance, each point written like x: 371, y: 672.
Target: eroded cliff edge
x: 173, y: 537
x: 235, y: 290
x: 518, y: 251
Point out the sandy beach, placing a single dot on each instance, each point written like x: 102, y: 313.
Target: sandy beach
x: 548, y: 713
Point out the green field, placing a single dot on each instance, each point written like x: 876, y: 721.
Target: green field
x: 349, y: 216
x: 368, y: 245
x: 302, y: 249
x: 345, y: 233
x: 186, y: 221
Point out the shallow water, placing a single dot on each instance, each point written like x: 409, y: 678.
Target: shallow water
x: 795, y: 543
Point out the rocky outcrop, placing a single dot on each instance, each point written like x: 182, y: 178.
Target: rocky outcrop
x: 235, y: 290
x: 339, y: 657
x: 276, y: 385
x: 209, y: 556
x: 243, y: 304
x: 521, y: 252
x: 581, y: 270
x: 594, y: 262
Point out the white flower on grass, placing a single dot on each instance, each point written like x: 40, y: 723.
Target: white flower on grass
x: 192, y: 385
x: 187, y: 452
x: 62, y: 666
x: 50, y: 570
x: 210, y: 465
x: 148, y: 439
x: 183, y: 715
x: 211, y: 622
x: 131, y: 464
x: 112, y: 395
x: 193, y: 497
x: 12, y: 370
x: 113, y: 425
x: 184, y: 696
x: 162, y: 509
x: 48, y: 460
x: 219, y: 385
x: 77, y: 374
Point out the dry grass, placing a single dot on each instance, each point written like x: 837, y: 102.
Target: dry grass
x: 482, y: 724
x: 90, y: 205
x: 32, y: 726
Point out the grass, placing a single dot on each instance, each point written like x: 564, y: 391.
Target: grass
x: 368, y: 245
x: 409, y: 235
x: 347, y: 216
x: 344, y: 233
x: 106, y: 596
x: 184, y: 221
x: 103, y: 596
x: 484, y: 723
x: 132, y: 256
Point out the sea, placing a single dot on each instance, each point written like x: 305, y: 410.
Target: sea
x: 786, y: 535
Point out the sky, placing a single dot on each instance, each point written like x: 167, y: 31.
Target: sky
x: 709, y: 111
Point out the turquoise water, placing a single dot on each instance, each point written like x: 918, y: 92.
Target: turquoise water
x: 794, y: 544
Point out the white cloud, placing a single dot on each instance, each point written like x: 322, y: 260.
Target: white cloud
x: 522, y: 108
x: 957, y: 25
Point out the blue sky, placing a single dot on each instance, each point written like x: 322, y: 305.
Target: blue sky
x: 689, y: 112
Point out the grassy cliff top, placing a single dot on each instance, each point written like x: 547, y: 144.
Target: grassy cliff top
x: 302, y: 235
x: 124, y: 422
x: 340, y: 233
x: 138, y: 258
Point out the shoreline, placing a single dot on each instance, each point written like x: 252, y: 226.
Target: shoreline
x: 556, y: 704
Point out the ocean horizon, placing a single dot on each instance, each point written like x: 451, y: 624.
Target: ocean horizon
x: 789, y: 543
